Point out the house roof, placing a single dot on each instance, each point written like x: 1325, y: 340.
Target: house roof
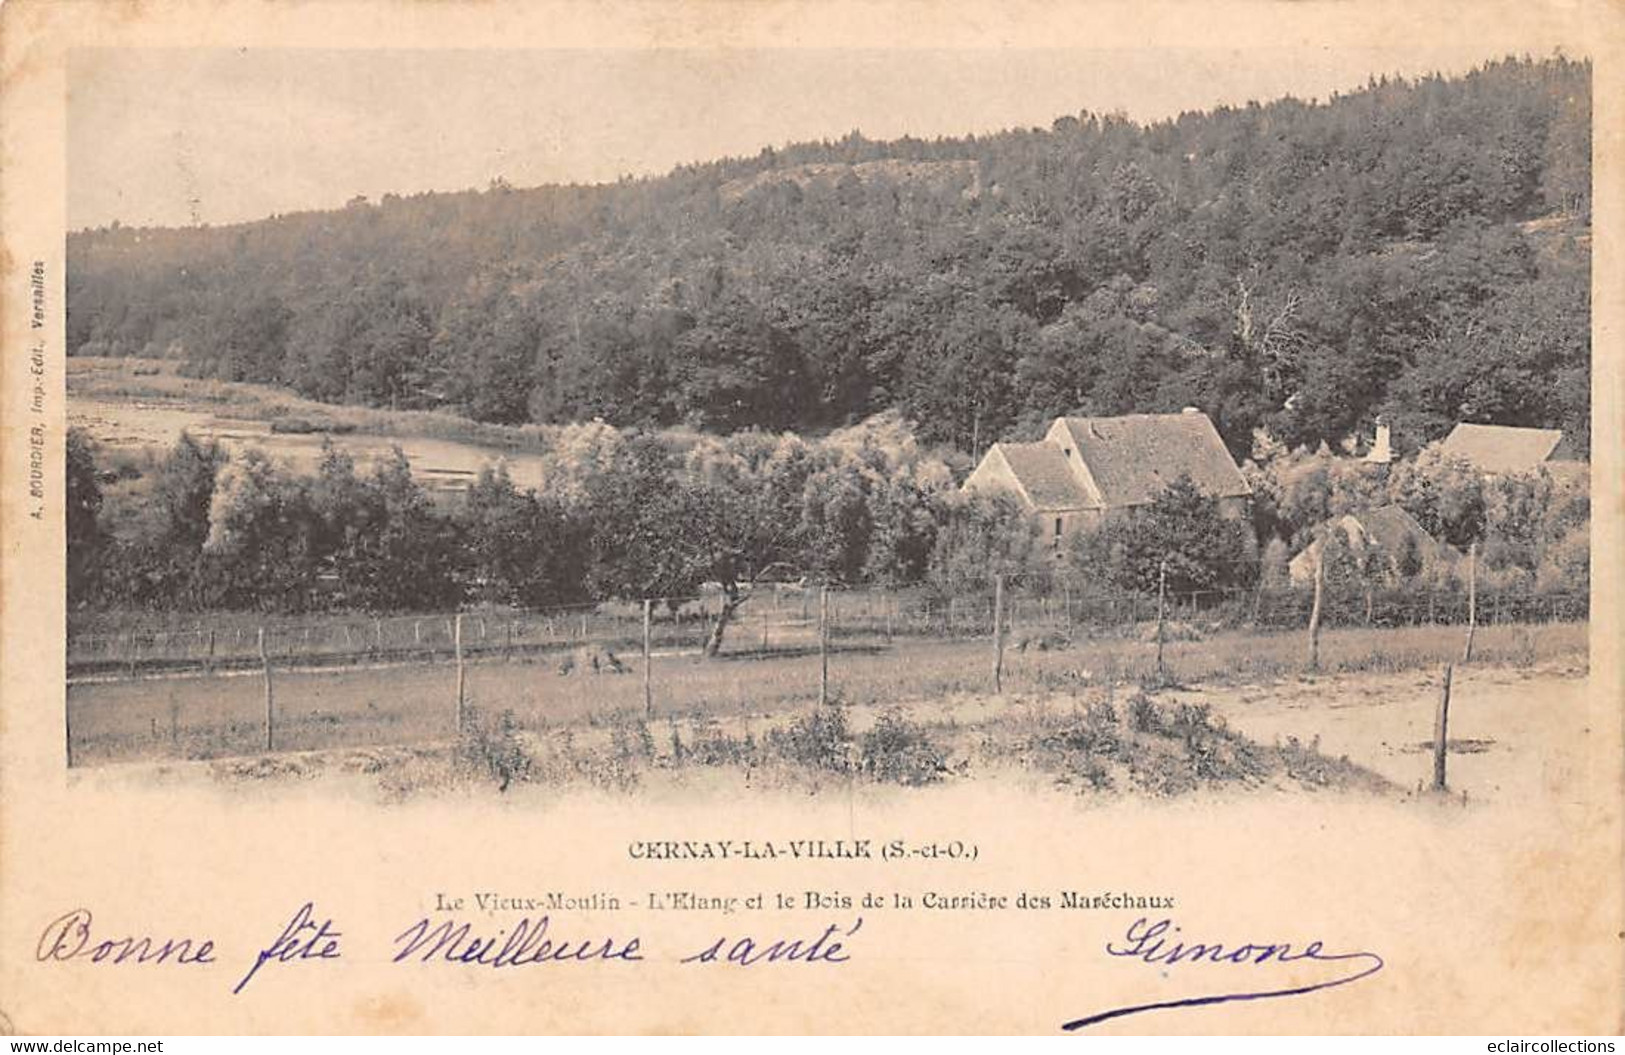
x: 1133, y: 458
x: 1502, y: 448
x: 1389, y: 526
x: 1042, y: 471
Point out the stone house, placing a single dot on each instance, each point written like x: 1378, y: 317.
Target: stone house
x: 1086, y: 468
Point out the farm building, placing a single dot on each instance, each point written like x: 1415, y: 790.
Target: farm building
x: 1502, y: 449
x: 1389, y: 529
x: 1085, y: 468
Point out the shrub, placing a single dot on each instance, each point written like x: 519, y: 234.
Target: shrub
x: 1095, y: 735
x: 631, y: 741
x: 709, y: 746
x: 490, y: 747
x: 1143, y: 715
x: 898, y: 751
x: 819, y: 740
x: 1566, y: 564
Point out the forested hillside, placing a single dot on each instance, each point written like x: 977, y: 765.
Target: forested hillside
x: 1419, y: 249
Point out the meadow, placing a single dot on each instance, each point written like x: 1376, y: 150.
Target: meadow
x: 203, y: 716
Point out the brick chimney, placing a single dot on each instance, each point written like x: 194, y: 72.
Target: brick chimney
x: 1381, y: 452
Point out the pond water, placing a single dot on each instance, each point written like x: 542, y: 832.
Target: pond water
x: 439, y: 464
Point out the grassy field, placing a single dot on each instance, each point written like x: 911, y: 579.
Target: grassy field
x: 201, y: 717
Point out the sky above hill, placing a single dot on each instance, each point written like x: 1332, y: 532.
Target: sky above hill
x: 186, y: 136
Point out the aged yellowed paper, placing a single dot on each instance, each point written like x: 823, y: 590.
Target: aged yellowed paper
x: 666, y: 764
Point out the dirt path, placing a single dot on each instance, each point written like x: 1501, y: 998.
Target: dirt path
x: 1514, y: 733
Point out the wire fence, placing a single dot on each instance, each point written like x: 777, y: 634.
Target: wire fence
x: 777, y: 620
x: 239, y: 685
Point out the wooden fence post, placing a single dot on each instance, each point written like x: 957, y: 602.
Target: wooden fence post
x: 648, y: 676
x: 998, y: 633
x: 823, y: 645
x: 208, y: 664
x: 507, y: 641
x: 1472, y: 602
x: 1162, y: 597
x: 1441, y: 732
x: 457, y: 647
x: 1314, y: 612
x: 270, y: 706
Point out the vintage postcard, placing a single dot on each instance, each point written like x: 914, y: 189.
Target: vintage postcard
x: 910, y: 518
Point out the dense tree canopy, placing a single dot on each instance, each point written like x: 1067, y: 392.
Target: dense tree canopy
x: 1416, y: 248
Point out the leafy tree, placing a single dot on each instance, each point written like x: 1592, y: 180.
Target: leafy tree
x: 1444, y: 494
x: 982, y: 536
x: 87, y: 542
x: 161, y: 563
x: 1182, y: 528
x: 408, y: 557
x: 260, y: 550
x: 905, y: 517
x: 183, y: 493
x: 523, y: 549
x: 1301, y: 492
x: 838, y: 521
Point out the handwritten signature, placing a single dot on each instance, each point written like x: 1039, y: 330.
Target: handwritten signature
x: 1155, y: 943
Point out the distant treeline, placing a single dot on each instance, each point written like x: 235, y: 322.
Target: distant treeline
x: 621, y: 516
x: 1416, y: 248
